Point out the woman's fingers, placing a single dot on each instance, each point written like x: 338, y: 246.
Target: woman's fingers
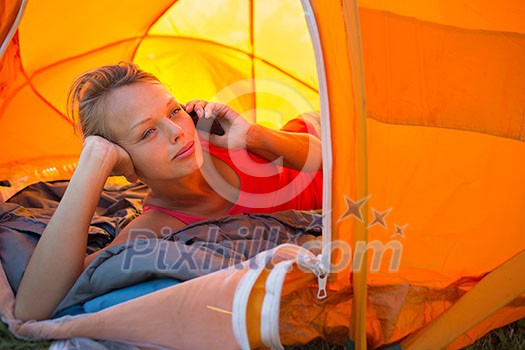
x: 206, y: 109
x: 197, y: 106
x: 212, y: 109
x: 122, y: 164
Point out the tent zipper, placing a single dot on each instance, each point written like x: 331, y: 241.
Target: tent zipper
x: 326, y: 138
x: 321, y: 272
x: 317, y: 266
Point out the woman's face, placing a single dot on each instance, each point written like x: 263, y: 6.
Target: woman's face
x: 152, y: 127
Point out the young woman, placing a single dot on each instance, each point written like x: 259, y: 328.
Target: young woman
x: 133, y: 126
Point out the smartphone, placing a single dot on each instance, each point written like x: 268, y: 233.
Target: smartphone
x: 207, y: 124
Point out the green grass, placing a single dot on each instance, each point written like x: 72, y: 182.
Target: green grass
x: 9, y: 342
x: 510, y: 337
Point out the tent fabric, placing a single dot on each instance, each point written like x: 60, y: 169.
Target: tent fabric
x: 423, y: 111
x: 477, y: 86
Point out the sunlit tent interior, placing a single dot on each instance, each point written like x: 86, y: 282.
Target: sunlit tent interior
x: 423, y: 123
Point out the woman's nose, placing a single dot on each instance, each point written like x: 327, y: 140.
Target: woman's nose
x: 174, y: 131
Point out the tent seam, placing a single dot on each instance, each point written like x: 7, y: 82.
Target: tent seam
x: 133, y: 54
x: 485, y: 132
x: 39, y: 71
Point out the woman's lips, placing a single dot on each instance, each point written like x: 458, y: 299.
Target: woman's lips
x: 185, y: 151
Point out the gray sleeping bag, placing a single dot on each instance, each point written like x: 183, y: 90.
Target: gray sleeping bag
x: 192, y: 251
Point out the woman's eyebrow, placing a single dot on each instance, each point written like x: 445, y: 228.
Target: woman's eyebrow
x: 143, y: 121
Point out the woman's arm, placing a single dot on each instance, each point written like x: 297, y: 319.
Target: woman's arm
x: 299, y: 151
x: 58, y: 258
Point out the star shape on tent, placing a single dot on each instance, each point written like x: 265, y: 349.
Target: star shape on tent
x: 400, y: 231
x: 353, y: 208
x: 379, y: 217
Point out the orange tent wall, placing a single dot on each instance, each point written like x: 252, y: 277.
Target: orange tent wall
x: 446, y: 112
x: 445, y: 99
x: 444, y: 129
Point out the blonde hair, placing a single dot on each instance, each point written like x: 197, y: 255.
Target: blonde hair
x: 86, y: 101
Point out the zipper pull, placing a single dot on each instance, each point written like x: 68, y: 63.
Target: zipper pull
x: 322, y: 277
x: 321, y: 291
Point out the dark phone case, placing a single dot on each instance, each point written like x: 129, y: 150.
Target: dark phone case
x: 207, y: 124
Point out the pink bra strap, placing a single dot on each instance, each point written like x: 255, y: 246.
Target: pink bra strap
x: 185, y: 218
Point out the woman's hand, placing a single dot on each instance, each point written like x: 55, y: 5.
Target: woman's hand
x: 235, y: 126
x: 298, y: 151
x: 107, y: 151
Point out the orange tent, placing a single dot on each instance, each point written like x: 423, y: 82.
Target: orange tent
x: 423, y: 113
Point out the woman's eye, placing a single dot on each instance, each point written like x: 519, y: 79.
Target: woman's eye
x: 173, y: 112
x: 148, y: 133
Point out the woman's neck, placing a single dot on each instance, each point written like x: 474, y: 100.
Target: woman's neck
x: 193, y: 194
x: 181, y: 192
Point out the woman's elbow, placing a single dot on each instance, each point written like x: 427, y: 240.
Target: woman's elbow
x: 22, y: 312
x: 25, y: 311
